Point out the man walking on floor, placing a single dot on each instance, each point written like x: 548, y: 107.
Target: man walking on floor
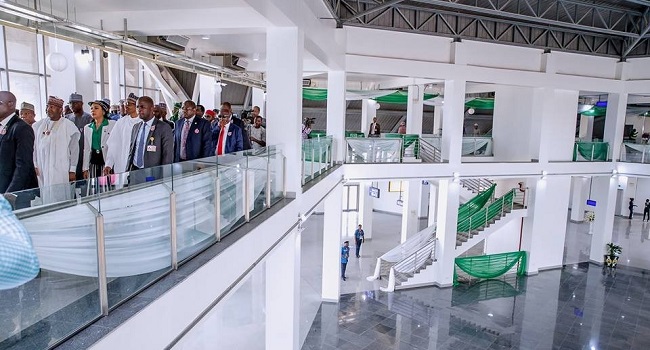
x: 358, y: 239
x: 646, y: 210
x: 345, y: 254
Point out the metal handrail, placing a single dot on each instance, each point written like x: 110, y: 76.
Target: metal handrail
x: 477, y: 185
x: 429, y: 153
x: 499, y: 204
x: 416, y: 260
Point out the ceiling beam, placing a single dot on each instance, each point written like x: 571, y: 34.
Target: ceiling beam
x: 641, y: 36
x: 639, y: 2
x: 381, y: 6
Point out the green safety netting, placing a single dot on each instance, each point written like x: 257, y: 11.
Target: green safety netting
x: 480, y: 103
x: 407, y: 141
x: 482, y: 216
x: 595, y: 112
x: 475, y: 204
x: 354, y: 134
x: 382, y: 96
x: 400, y: 97
x: 317, y: 134
x: 590, y: 151
x: 491, y: 266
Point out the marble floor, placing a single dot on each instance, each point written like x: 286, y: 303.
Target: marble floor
x: 580, y: 306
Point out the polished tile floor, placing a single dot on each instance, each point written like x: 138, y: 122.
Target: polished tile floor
x: 580, y: 306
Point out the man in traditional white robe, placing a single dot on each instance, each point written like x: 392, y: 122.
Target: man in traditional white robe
x: 119, y: 142
x: 56, y: 153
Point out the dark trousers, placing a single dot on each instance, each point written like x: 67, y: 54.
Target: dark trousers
x: 646, y: 213
x: 358, y: 242
x: 631, y: 213
x: 343, y: 266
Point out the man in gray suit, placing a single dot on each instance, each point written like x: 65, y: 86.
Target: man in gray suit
x: 152, y: 141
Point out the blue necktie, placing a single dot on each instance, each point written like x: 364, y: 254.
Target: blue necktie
x: 139, y: 154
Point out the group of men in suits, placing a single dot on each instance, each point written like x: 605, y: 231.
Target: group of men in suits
x: 141, y: 141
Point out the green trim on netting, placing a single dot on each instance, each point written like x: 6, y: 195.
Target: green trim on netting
x: 356, y: 134
x: 314, y: 94
x: 475, y: 204
x: 585, y: 150
x: 491, y: 266
x: 595, y: 112
x: 480, y: 103
x: 317, y: 134
x: 400, y: 97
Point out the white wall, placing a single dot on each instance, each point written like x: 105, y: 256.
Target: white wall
x: 505, y: 239
x: 505, y: 56
x: 642, y: 193
x: 385, y: 43
x: 638, y: 68
x: 387, y: 201
x: 589, y: 66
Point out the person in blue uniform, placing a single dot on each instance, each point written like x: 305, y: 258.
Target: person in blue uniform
x: 358, y: 239
x: 345, y: 254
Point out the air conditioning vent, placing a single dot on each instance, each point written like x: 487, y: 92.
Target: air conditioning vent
x: 229, y: 61
x: 171, y: 42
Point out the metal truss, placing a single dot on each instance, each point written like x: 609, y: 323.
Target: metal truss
x: 619, y: 29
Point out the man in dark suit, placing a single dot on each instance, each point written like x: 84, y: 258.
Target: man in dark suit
x: 152, y: 141
x: 226, y: 136
x: 226, y: 110
x: 192, y: 135
x: 16, y: 153
x: 375, y: 129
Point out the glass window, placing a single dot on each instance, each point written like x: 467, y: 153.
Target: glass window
x: 26, y: 87
x: 22, y: 50
x: 131, y: 72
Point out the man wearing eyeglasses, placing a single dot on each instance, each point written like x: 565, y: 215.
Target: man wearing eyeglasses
x: 226, y: 136
x: 192, y: 135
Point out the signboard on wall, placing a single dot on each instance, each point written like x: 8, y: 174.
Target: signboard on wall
x: 373, y: 192
x: 591, y: 203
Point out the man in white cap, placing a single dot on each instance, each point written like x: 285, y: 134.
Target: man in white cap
x: 56, y: 152
x: 28, y: 113
x: 80, y: 118
x: 119, y: 141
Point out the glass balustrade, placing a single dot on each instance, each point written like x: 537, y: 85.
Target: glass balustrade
x: 635, y: 153
x: 590, y: 152
x: 374, y: 150
x: 316, y: 157
x: 101, y: 241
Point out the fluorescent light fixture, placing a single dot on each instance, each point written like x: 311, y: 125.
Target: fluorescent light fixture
x: 205, y: 37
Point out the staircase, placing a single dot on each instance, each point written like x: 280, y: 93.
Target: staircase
x: 476, y: 185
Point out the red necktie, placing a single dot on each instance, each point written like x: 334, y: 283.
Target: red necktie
x: 222, y: 133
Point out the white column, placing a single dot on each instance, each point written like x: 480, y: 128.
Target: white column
x: 410, y: 209
x: 512, y: 123
x: 433, y: 201
x: 366, y: 205
x: 545, y: 226
x: 603, y: 191
x: 437, y: 120
x: 447, y: 220
x: 113, y: 78
x: 207, y: 92
x: 336, y: 112
x: 586, y: 131
x: 579, y: 194
x: 368, y: 111
x: 452, y: 130
x: 332, y: 244
x: 259, y: 100
x: 283, y: 294
x: 415, y: 109
x: 284, y: 58
x: 424, y: 193
x: 615, y: 123
x: 553, y: 124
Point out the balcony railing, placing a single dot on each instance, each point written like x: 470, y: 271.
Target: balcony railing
x: 590, y: 152
x: 635, y: 153
x: 102, y: 241
x: 316, y: 157
x: 472, y: 146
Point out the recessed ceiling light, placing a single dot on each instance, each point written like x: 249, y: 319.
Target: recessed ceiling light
x: 256, y: 56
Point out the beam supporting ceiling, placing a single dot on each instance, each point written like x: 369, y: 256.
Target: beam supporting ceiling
x: 618, y: 29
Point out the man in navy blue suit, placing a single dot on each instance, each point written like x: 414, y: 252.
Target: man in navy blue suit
x: 17, y: 171
x: 226, y: 136
x: 192, y: 135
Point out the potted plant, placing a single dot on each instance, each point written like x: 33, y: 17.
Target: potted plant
x: 613, y: 251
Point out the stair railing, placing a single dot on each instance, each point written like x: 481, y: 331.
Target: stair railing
x: 403, y: 251
x: 429, y: 153
x: 476, y: 185
x: 482, y: 217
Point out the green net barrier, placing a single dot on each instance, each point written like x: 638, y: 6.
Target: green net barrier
x: 475, y: 204
x: 407, y: 141
x: 490, y: 266
x: 583, y: 151
x: 354, y: 134
x: 316, y: 134
x: 480, y: 218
